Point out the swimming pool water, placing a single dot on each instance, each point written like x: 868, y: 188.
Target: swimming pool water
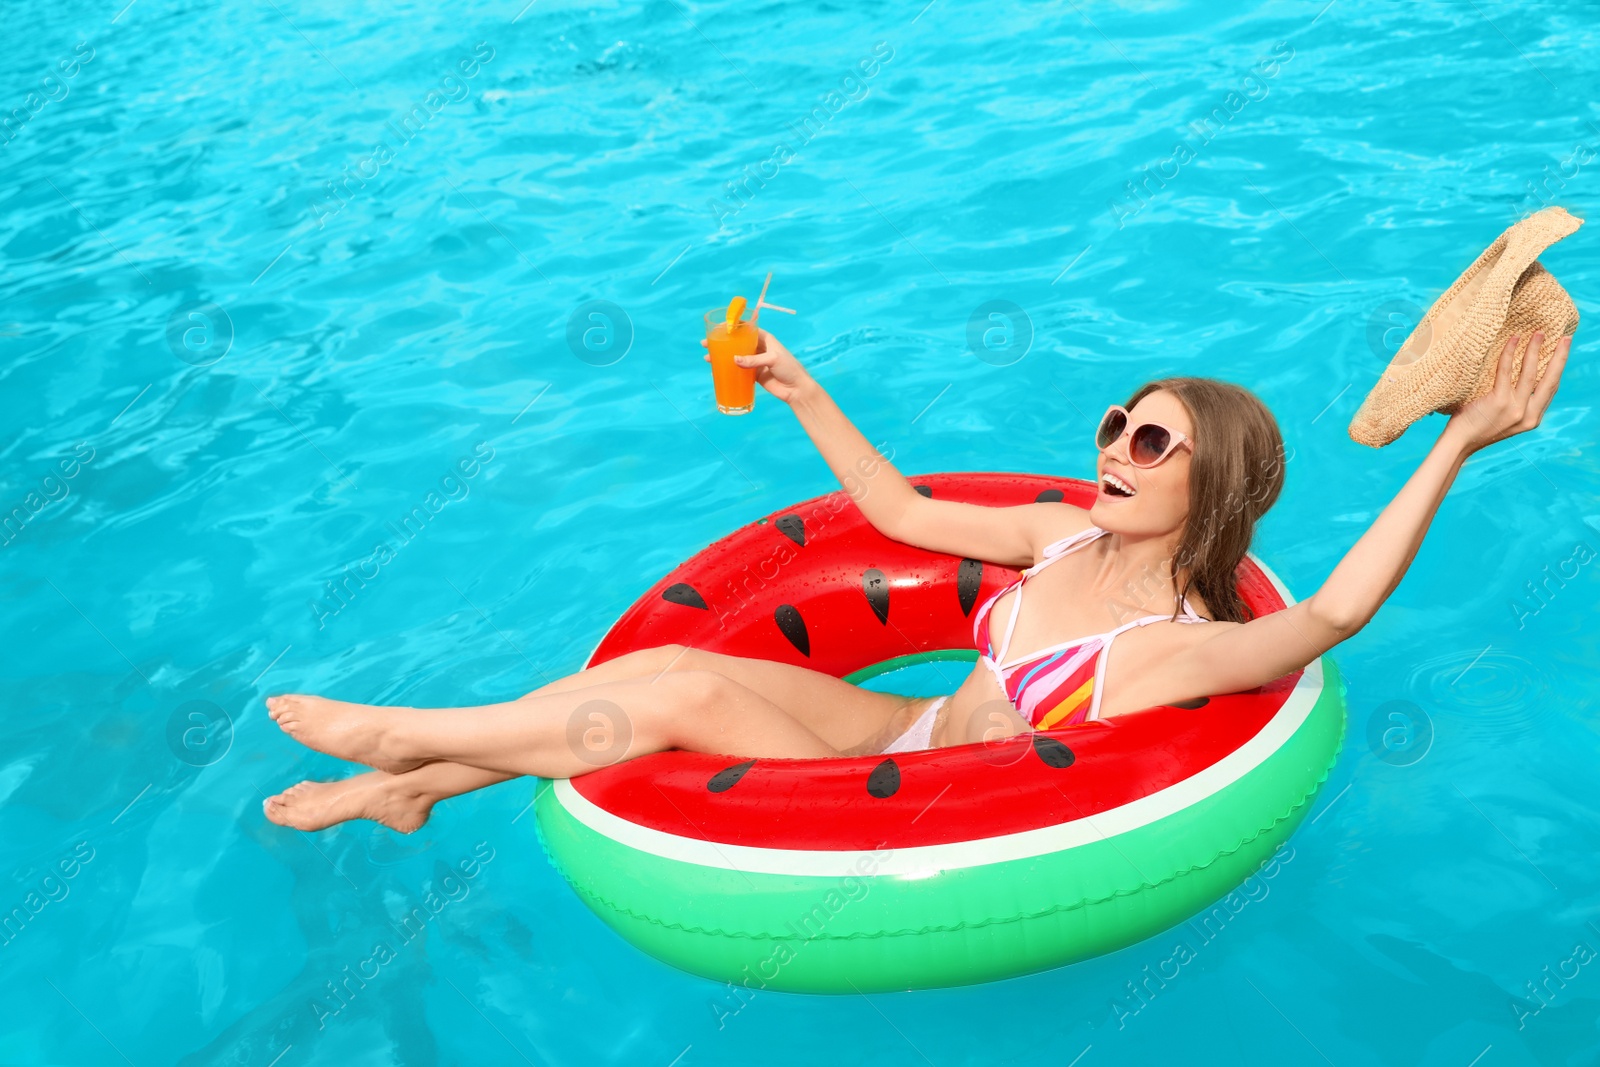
x: 276, y: 277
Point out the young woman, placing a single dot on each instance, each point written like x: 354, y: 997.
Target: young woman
x: 1185, y: 471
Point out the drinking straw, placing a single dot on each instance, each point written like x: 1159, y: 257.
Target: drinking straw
x: 761, y: 302
x: 761, y: 299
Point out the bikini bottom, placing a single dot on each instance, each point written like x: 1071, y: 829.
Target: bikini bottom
x: 920, y: 733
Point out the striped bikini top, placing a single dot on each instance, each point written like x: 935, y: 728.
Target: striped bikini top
x: 1060, y: 685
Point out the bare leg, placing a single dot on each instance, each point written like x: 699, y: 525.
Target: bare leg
x: 849, y: 718
x: 401, y: 802
x: 697, y: 710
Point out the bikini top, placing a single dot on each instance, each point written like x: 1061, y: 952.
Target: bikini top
x: 1060, y: 685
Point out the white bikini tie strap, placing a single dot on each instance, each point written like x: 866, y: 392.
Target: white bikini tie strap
x: 1016, y: 606
x: 1052, y: 552
x: 994, y: 668
x: 1071, y: 543
x: 1104, y: 656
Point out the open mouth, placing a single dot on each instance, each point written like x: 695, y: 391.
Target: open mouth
x: 1111, y: 485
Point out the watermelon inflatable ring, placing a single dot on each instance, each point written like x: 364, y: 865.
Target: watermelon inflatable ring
x: 932, y: 868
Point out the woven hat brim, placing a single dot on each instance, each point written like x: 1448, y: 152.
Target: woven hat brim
x: 1539, y: 305
x: 1511, y: 293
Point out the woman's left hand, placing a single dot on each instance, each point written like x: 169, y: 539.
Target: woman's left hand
x: 777, y: 370
x: 1515, y: 404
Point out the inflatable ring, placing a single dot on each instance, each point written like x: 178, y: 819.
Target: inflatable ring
x: 932, y: 868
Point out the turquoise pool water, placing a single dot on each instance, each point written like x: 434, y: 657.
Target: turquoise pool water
x: 258, y: 342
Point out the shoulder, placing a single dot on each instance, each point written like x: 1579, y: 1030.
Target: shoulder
x: 1052, y: 522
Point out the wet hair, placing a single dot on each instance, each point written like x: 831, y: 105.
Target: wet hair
x: 1235, y: 475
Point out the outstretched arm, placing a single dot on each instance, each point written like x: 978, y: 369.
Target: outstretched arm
x: 1010, y: 535
x: 1254, y: 653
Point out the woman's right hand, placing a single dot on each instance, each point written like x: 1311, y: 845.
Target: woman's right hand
x: 1518, y: 400
x: 777, y: 371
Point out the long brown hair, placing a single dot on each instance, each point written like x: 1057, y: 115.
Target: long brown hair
x: 1235, y: 475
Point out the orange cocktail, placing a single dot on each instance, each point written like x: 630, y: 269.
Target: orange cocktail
x: 728, y: 335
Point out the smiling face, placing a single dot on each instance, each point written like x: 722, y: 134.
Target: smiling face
x: 1205, y: 499
x: 1145, y: 501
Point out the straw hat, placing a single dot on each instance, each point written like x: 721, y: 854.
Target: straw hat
x: 1452, y: 355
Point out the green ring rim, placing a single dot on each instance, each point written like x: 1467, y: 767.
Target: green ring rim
x: 895, y: 663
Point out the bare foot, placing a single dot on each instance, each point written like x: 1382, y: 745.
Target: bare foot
x: 380, y: 797
x: 361, y: 733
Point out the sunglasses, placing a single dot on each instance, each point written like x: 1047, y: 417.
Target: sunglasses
x: 1150, y: 442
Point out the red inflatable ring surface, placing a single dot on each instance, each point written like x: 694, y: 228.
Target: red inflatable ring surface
x: 1056, y: 844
